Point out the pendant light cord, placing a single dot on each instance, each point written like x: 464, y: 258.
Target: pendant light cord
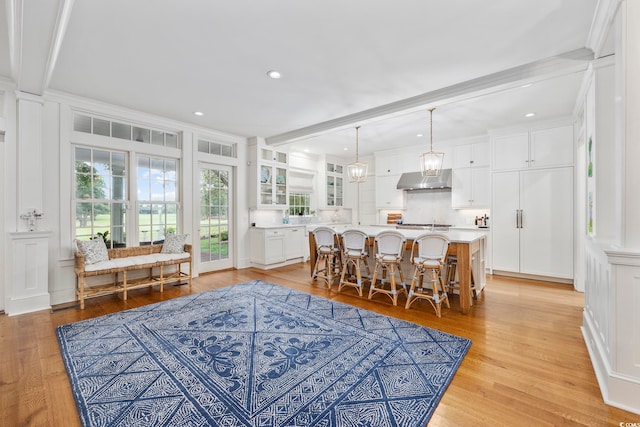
x: 431, y: 129
x: 357, y: 128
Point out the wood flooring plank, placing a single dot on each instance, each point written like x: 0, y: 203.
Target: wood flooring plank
x: 527, y: 365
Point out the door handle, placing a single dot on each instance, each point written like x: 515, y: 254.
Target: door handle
x: 520, y: 218
x: 517, y: 218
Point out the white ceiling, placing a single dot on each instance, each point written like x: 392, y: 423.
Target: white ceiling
x: 343, y: 62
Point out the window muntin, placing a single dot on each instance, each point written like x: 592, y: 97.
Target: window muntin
x: 128, y: 131
x: 218, y: 148
x: 100, y: 195
x: 299, y: 203
x: 157, y: 198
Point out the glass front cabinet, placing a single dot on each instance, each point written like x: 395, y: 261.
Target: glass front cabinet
x: 271, y: 178
x: 334, y: 185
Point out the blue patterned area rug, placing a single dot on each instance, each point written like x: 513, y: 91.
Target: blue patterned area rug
x: 256, y: 354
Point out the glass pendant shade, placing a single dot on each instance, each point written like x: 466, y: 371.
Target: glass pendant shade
x: 431, y: 161
x: 357, y: 171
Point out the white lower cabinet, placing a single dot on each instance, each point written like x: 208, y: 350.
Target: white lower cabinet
x: 274, y: 247
x: 532, y: 222
x: 294, y: 242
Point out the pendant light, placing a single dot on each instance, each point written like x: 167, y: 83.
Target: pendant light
x: 357, y: 171
x: 431, y: 161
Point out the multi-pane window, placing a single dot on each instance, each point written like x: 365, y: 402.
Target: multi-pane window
x: 98, y: 126
x: 100, y: 195
x: 157, y: 198
x: 299, y: 203
x: 218, y: 148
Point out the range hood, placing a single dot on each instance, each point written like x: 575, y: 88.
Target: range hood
x: 415, y: 181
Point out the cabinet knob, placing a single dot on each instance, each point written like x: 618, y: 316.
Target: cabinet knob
x: 471, y: 161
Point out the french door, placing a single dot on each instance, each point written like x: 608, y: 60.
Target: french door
x: 215, y: 222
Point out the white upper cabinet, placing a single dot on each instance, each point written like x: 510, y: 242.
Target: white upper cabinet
x: 552, y: 147
x: 268, y: 177
x: 535, y: 149
x: 394, y: 164
x: 471, y: 177
x: 387, y: 194
x: 470, y: 188
x: 511, y: 151
x: 470, y: 155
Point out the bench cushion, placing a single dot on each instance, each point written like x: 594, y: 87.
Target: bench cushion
x: 110, y: 264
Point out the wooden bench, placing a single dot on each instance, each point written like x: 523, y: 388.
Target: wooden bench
x: 148, y: 259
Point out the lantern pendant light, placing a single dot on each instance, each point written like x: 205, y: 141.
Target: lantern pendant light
x: 431, y: 161
x: 357, y: 171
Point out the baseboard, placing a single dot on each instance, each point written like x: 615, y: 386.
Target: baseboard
x: 562, y: 280
x: 616, y: 390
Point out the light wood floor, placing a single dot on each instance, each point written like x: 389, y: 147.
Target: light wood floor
x: 528, y: 364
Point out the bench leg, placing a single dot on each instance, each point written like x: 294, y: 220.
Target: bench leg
x: 161, y: 279
x: 81, y: 291
x: 124, y: 285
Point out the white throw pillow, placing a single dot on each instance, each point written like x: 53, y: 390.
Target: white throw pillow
x: 93, y: 250
x: 174, y: 243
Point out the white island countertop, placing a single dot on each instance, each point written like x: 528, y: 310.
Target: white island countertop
x: 455, y: 235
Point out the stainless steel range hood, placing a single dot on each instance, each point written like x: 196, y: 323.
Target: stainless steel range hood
x: 415, y: 181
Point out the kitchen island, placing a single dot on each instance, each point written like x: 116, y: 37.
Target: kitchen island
x: 469, y: 246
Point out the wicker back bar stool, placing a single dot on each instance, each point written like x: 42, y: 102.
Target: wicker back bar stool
x: 388, y: 249
x: 328, y: 263
x: 428, y: 255
x: 355, y: 245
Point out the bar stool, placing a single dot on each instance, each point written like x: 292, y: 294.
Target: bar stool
x: 388, y: 249
x: 451, y: 282
x: 328, y: 255
x: 354, y: 255
x: 428, y: 255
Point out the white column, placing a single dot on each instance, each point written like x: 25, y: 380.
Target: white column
x: 28, y: 247
x: 629, y: 62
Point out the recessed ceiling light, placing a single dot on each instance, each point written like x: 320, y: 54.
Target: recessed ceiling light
x: 306, y: 150
x: 419, y: 135
x: 527, y: 85
x: 345, y: 149
x: 274, y: 74
x: 198, y: 113
x: 530, y: 114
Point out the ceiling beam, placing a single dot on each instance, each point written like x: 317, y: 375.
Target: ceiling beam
x: 566, y: 63
x: 36, y: 30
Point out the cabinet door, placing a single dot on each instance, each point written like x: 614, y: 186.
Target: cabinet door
x: 274, y: 244
x: 511, y: 152
x: 392, y: 164
x: 387, y: 194
x: 546, y: 237
x: 480, y: 186
x: 504, y: 233
x: 480, y: 154
x: 552, y: 147
x: 461, y: 194
x: 294, y: 242
x: 462, y: 156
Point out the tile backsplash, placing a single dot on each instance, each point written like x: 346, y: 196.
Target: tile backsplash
x: 425, y: 207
